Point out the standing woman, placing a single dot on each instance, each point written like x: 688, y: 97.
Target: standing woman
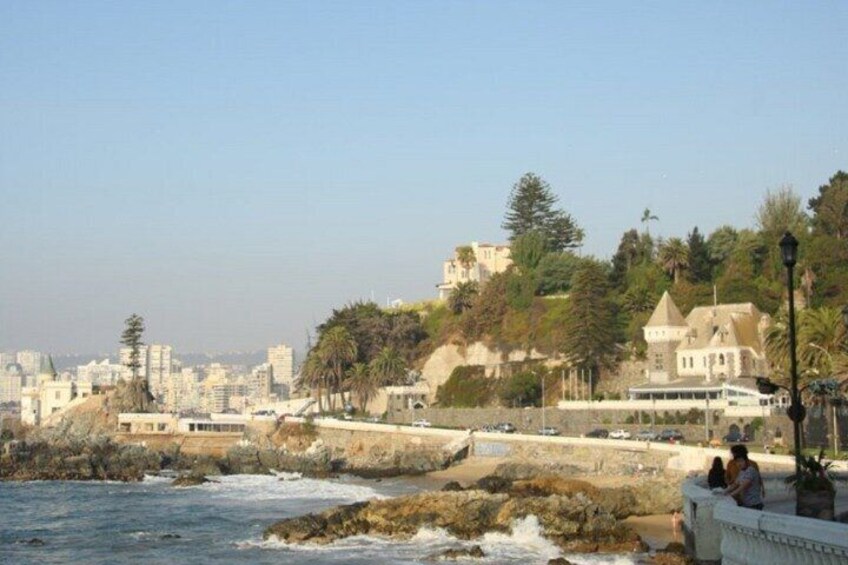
x: 715, y: 478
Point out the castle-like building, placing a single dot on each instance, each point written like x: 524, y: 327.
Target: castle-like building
x: 701, y: 355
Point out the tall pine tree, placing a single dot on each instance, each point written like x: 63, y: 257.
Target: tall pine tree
x: 131, y: 338
x: 700, y: 269
x: 531, y: 207
x: 591, y: 327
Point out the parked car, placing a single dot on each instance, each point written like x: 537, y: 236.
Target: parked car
x: 620, y: 434
x: 548, y: 431
x: 671, y: 435
x: 505, y: 428
x: 646, y: 435
x: 736, y: 437
x: 421, y: 424
x: 598, y: 433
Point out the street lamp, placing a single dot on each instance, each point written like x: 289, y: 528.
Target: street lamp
x: 796, y: 412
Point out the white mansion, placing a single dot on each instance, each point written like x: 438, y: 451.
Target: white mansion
x: 714, y: 352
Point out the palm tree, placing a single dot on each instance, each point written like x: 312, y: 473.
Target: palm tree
x: 823, y: 335
x: 647, y: 218
x: 314, y: 374
x: 388, y: 367
x: 674, y: 257
x: 337, y: 349
x: 462, y: 297
x: 465, y: 256
x: 362, y: 383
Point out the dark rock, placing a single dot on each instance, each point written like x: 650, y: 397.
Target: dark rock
x: 452, y: 486
x: 189, y: 481
x: 32, y: 541
x: 494, y: 484
x: 559, y: 561
x: 675, y: 547
x: 473, y: 551
x: 170, y: 536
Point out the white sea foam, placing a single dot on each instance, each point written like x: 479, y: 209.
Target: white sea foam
x: 268, y: 487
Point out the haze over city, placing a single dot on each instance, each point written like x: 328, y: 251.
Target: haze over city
x: 233, y: 172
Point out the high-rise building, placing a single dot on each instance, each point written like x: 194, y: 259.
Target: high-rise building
x: 158, y: 369
x: 281, y: 360
x: 259, y: 383
x: 30, y: 361
x: 10, y: 386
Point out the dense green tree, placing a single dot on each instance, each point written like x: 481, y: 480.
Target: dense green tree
x: 720, y: 244
x: 555, y: 271
x: 521, y: 389
x: 674, y: 257
x: 374, y: 328
x: 314, y: 376
x: 462, y: 297
x: 132, y: 339
x: 531, y: 207
x: 700, y: 269
x: 830, y: 207
x: 520, y: 289
x: 627, y: 255
x: 527, y: 251
x: 780, y: 211
x: 591, y: 323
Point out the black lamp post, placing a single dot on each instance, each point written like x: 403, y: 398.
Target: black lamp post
x: 796, y: 412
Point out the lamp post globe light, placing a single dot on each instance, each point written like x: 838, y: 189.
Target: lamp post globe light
x: 796, y: 412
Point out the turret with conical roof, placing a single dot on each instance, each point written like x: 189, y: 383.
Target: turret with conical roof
x: 664, y: 331
x: 46, y: 371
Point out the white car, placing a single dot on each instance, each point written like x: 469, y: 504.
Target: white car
x: 421, y: 424
x: 620, y: 434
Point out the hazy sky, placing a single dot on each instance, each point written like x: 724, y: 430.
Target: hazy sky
x: 233, y: 170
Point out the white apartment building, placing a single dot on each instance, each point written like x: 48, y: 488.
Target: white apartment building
x: 158, y: 368
x: 183, y: 391
x: 100, y: 372
x: 11, y: 384
x: 259, y: 383
x: 488, y: 260
x: 30, y: 361
x: 281, y: 360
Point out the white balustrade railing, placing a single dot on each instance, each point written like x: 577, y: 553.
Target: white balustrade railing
x: 717, y: 530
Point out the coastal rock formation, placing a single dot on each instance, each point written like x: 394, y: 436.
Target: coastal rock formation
x: 574, y: 522
x: 189, y: 481
x: 474, y: 551
x: 97, y: 458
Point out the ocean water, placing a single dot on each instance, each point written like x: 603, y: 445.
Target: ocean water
x: 108, y: 523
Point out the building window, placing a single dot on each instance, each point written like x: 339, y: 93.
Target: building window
x: 58, y: 395
x: 684, y: 362
x: 721, y: 359
x: 658, y: 362
x: 691, y: 362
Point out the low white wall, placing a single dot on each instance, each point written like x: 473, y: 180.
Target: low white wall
x: 718, y: 531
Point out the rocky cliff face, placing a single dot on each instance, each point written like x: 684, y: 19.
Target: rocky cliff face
x: 439, y: 365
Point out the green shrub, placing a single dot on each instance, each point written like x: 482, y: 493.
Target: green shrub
x: 467, y: 387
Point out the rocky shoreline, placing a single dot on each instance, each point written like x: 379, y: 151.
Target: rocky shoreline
x: 573, y: 514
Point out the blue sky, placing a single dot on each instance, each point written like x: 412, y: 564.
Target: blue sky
x: 233, y: 170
